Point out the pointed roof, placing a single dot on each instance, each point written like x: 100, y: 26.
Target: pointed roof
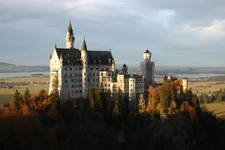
x: 84, y: 45
x: 147, y: 51
x: 70, y: 29
x: 73, y: 56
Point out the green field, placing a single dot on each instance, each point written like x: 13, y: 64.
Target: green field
x: 35, y: 84
x: 206, y: 86
x: 217, y: 108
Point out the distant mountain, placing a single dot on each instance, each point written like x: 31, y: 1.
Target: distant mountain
x: 189, y: 70
x: 180, y: 70
x: 6, y: 68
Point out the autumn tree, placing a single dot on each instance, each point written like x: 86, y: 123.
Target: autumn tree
x: 166, y: 96
x: 141, y: 103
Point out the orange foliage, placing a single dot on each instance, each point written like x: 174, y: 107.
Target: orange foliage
x: 186, y: 107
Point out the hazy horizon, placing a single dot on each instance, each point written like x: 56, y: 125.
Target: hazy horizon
x: 178, y: 33
x: 132, y: 65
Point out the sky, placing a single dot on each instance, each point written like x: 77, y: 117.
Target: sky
x: 177, y: 32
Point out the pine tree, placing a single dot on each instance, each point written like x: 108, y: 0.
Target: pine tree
x: 18, y: 100
x: 27, y: 97
x: 117, y: 103
x: 90, y: 99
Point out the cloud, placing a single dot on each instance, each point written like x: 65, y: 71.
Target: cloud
x: 173, y: 29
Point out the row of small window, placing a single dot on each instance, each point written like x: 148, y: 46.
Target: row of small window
x: 80, y: 68
x: 65, y: 75
x: 70, y: 68
x: 102, y: 74
x: 93, y: 74
x: 77, y: 91
x: 100, y: 61
x: 105, y: 85
x: 97, y: 74
x: 66, y: 81
x: 76, y: 80
x: 72, y: 86
x: 98, y: 68
x: 54, y: 69
x: 104, y: 79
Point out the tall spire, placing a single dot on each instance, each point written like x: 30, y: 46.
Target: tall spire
x: 70, y: 29
x: 84, y: 45
x: 69, y: 36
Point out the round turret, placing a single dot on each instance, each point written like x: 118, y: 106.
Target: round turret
x: 147, y: 55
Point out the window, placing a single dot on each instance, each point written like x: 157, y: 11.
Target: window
x: 70, y: 68
x: 65, y: 68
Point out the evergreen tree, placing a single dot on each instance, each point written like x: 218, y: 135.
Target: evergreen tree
x: 117, y: 103
x: 91, y: 99
x: 27, y: 97
x: 98, y: 100
x: 18, y: 100
x: 55, y: 105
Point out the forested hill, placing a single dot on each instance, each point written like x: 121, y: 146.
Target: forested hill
x: 182, y: 70
x: 6, y: 67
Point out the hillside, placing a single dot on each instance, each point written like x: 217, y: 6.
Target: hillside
x: 182, y: 70
x: 6, y: 68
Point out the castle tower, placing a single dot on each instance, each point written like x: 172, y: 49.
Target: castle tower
x: 147, y: 68
x: 70, y: 37
x: 84, y: 59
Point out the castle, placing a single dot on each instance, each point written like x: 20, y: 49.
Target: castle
x: 74, y: 72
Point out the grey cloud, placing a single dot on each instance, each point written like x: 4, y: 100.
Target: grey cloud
x: 128, y: 27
